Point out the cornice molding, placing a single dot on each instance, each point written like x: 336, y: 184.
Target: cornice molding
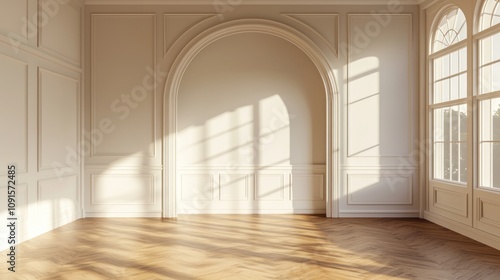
x: 253, y: 2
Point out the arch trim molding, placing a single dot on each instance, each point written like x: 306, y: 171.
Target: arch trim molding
x: 188, y: 54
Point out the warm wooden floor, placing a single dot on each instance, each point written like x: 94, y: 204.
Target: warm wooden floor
x: 254, y: 247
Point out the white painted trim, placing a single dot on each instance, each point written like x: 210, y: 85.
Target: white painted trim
x: 236, y: 27
x: 462, y: 229
x: 30, y: 50
x: 252, y: 2
x: 380, y: 214
x: 250, y: 212
x: 122, y: 215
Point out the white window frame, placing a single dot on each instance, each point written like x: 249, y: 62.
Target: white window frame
x: 432, y: 56
x: 478, y: 97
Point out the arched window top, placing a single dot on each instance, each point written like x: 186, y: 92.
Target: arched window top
x: 490, y: 14
x: 452, y: 28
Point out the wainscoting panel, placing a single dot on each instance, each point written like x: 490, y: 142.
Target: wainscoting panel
x: 487, y: 211
x: 379, y: 192
x: 123, y: 191
x: 452, y: 202
x: 251, y: 190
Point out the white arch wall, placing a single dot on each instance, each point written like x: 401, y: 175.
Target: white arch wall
x: 128, y: 169
x: 321, y: 189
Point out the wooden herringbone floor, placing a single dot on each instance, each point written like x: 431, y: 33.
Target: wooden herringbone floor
x: 253, y: 247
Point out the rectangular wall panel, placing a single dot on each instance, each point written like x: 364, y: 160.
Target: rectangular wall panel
x: 270, y: 187
x: 14, y: 19
x: 251, y: 190
x: 197, y: 187
x: 308, y: 187
x: 379, y: 111
x: 451, y: 201
x: 13, y: 113
x: 382, y: 189
x: 58, y: 120
x: 123, y: 189
x: 58, y: 196
x: 234, y: 187
x: 488, y: 212
x: 123, y: 78
x: 59, y: 28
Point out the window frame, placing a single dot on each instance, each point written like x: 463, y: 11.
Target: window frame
x: 478, y: 98
x: 432, y: 107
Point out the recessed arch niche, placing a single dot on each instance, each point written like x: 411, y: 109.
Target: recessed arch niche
x: 239, y: 31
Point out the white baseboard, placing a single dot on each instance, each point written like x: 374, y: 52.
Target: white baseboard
x: 122, y: 215
x: 473, y: 233
x: 254, y: 211
x: 379, y: 214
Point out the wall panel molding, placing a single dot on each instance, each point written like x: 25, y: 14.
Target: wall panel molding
x: 58, y: 196
x: 53, y: 14
x: 101, y: 182
x: 122, y: 192
x: 58, y: 112
x: 12, y: 14
x: 325, y: 26
x: 108, y: 103
x: 176, y: 25
x: 368, y: 50
x: 385, y: 189
x: 14, y: 113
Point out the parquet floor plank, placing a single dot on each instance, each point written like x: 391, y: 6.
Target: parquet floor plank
x: 253, y: 247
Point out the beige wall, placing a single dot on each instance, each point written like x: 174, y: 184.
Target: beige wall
x: 374, y: 122
x: 40, y: 100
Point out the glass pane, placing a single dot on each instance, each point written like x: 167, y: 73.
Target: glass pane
x: 463, y: 85
x: 462, y: 122
x: 490, y: 165
x: 490, y: 14
x: 454, y: 61
x: 439, y: 161
x: 442, y: 91
x: 451, y: 29
x: 455, y: 159
x: 449, y: 85
x: 463, y: 59
x: 495, y: 46
x: 450, y: 148
x: 490, y: 78
x: 463, y: 162
x: 454, y: 92
x: 490, y: 120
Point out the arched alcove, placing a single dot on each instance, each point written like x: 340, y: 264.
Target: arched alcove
x: 202, y: 41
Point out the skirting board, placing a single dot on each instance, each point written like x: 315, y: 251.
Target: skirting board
x: 379, y: 214
x: 470, y: 232
x: 264, y: 212
x: 122, y: 215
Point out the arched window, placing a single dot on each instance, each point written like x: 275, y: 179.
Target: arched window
x: 490, y: 14
x: 448, y: 100
x: 488, y: 96
x: 451, y: 29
